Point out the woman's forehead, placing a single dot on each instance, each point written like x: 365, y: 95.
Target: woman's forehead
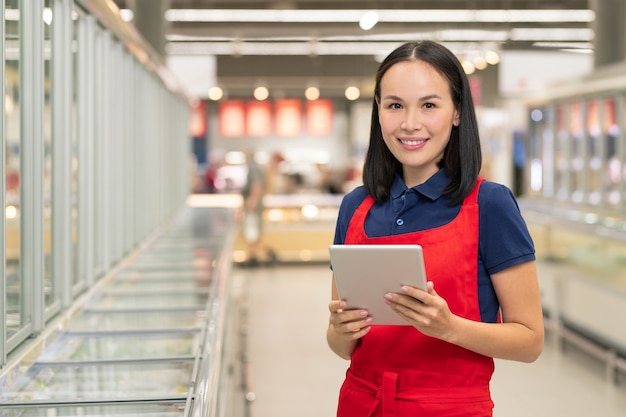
x: 420, y: 76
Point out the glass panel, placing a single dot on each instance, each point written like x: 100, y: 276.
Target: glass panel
x: 108, y: 381
x: 162, y: 409
x: 137, y: 321
x: 537, y: 128
x: 158, y: 285
x: 594, y: 161
x: 98, y: 224
x: 613, y: 165
x: 187, y: 300
x: 561, y: 159
x: 547, y: 152
x: 138, y: 301
x: 576, y: 151
x: 75, y: 161
x: 122, y: 347
x: 49, y: 293
x: 541, y: 151
x: 12, y: 167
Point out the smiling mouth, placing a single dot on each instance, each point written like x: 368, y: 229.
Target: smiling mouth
x: 412, y: 142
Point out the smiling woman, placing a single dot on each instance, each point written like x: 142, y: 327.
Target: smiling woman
x: 421, y: 186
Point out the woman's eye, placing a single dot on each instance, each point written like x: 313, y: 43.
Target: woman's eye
x: 429, y: 105
x: 395, y: 106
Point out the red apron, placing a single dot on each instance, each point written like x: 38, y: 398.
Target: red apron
x: 396, y: 371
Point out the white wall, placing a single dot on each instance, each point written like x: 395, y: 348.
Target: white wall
x: 524, y: 72
x: 196, y: 73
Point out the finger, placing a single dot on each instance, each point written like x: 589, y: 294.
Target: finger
x: 359, y: 326
x: 352, y: 328
x: 336, y: 306
x: 355, y: 319
x: 359, y: 333
x: 415, y: 293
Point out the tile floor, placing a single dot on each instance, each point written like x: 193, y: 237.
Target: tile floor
x: 294, y: 373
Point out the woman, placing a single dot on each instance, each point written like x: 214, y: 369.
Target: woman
x: 422, y: 185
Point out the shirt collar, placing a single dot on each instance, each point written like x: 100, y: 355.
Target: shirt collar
x: 432, y: 188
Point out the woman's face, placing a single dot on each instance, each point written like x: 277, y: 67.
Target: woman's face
x: 416, y: 115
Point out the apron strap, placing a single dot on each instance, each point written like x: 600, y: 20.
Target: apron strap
x: 389, y: 394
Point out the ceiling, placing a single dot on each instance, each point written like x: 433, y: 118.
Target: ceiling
x: 291, y: 44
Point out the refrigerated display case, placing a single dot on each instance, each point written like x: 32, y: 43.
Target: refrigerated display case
x: 581, y: 265
x: 298, y: 227
x: 146, y: 340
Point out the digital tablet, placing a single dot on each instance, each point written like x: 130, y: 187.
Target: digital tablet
x: 365, y: 273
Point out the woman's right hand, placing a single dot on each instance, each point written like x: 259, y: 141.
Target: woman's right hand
x: 348, y: 324
x: 346, y: 327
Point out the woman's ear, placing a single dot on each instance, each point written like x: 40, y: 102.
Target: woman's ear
x: 457, y: 118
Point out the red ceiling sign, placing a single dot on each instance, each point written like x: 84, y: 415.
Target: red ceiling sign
x: 232, y: 120
x: 288, y: 117
x: 258, y: 118
x: 319, y: 117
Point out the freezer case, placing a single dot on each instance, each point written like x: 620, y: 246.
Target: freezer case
x: 146, y: 342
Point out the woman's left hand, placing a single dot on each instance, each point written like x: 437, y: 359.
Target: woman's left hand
x: 425, y: 310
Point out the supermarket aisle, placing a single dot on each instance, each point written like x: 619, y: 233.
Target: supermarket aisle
x: 293, y: 373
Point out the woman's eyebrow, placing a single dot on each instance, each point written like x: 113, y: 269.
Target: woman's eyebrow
x: 430, y: 97
x: 392, y: 97
x: 424, y: 98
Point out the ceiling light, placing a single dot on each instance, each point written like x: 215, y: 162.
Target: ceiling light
x: 472, y: 35
x: 368, y: 20
x: 296, y: 48
x: 480, y: 63
x: 312, y: 93
x: 127, y: 15
x: 261, y: 93
x: 552, y: 34
x: 406, y: 15
x: 568, y: 45
x: 216, y: 93
x: 352, y: 93
x: 468, y: 67
x: 492, y: 57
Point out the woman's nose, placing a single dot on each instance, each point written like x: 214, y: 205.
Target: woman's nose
x: 411, y: 121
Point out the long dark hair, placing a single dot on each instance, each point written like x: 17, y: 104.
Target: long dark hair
x: 462, y: 156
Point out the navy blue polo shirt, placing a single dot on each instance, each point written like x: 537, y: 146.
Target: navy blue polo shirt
x: 503, y: 240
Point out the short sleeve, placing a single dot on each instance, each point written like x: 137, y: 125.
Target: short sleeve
x: 504, y: 239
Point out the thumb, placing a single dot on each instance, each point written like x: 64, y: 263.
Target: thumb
x: 430, y: 288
